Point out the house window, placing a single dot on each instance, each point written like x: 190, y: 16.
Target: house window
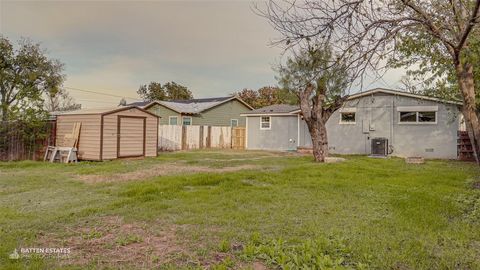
x: 347, y: 118
x: 187, y: 120
x: 173, y: 120
x: 265, y: 122
x: 234, y: 122
x: 418, y: 117
x: 427, y: 117
x: 408, y: 117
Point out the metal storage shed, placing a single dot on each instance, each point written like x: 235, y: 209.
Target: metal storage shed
x: 112, y: 133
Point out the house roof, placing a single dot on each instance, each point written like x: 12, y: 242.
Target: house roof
x: 284, y: 109
x: 275, y: 109
x: 103, y: 111
x: 402, y: 93
x: 191, y: 106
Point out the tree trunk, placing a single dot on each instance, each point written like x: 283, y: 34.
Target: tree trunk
x: 3, y: 111
x: 318, y: 133
x: 469, y: 110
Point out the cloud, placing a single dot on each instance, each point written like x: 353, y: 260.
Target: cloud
x: 214, y: 48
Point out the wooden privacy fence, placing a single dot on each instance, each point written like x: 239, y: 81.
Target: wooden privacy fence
x: 174, y: 137
x: 19, y: 141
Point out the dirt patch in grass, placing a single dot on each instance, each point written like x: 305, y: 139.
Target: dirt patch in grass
x: 112, y: 242
x: 159, y: 170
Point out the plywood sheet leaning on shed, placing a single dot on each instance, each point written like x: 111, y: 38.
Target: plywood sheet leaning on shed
x: 89, y: 141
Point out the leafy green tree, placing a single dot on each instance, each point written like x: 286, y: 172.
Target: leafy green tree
x: 26, y: 76
x: 167, y: 91
x: 267, y: 95
x: 249, y: 96
x: 431, y: 71
x: 177, y: 92
x: 321, y: 89
x: 152, y: 91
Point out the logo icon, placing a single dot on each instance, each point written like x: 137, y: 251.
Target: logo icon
x: 14, y: 255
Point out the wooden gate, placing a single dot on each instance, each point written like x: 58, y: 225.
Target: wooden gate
x: 238, y: 138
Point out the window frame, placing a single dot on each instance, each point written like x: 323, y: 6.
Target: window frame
x: 183, y: 120
x: 269, y: 123
x: 170, y: 119
x: 233, y: 119
x: 417, y: 118
x: 341, y: 122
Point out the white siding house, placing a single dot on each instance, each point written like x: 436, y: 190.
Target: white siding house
x: 408, y: 125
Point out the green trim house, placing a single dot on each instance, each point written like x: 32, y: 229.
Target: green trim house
x: 219, y: 111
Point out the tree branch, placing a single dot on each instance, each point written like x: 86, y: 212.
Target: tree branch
x: 471, y: 23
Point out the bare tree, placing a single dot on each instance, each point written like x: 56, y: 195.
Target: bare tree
x: 368, y: 32
x: 320, y: 89
x: 61, y: 101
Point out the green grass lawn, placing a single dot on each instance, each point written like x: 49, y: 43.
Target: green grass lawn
x: 249, y: 210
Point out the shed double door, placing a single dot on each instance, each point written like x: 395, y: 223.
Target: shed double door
x: 131, y: 136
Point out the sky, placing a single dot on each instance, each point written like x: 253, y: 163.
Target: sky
x: 213, y: 47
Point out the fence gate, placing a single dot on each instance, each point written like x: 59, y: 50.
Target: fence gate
x: 238, y: 138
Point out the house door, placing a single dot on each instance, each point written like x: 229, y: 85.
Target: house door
x: 131, y: 136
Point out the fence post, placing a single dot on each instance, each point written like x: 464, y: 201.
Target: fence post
x: 184, y: 137
x: 209, y: 137
x: 200, y: 144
